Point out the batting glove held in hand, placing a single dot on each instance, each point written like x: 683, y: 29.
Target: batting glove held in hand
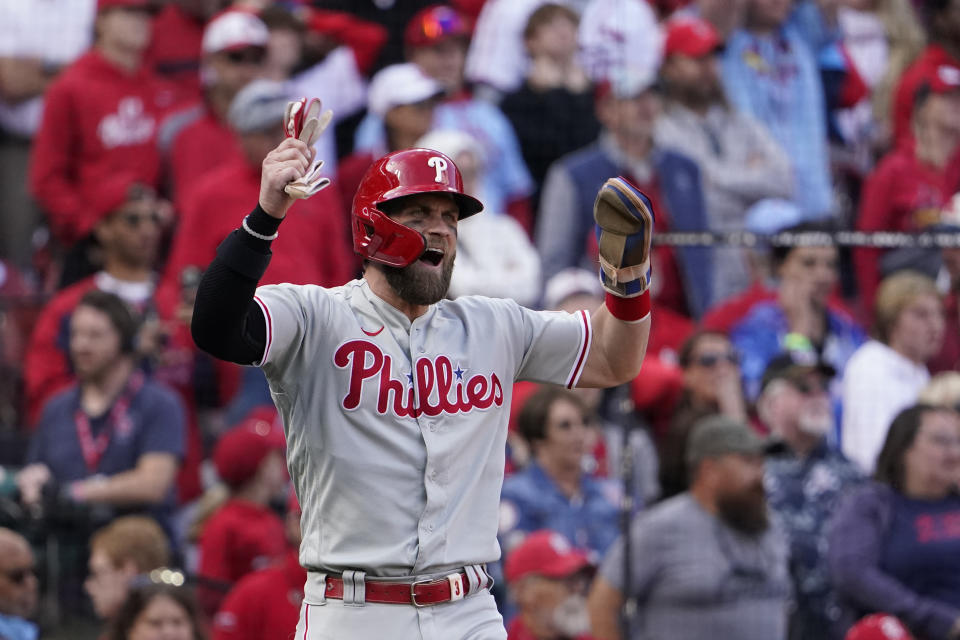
x: 304, y: 121
x: 624, y: 218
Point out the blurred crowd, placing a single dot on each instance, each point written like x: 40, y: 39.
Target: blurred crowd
x: 787, y: 464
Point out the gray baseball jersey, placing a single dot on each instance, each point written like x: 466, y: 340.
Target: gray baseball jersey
x: 395, y: 429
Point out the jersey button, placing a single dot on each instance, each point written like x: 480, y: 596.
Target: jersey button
x: 421, y: 349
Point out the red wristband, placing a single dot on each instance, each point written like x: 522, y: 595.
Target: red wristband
x: 629, y: 309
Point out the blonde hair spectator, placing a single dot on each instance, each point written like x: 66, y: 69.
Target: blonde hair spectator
x: 896, y: 292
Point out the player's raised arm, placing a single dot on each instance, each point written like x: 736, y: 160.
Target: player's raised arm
x: 227, y: 322
x: 621, y: 325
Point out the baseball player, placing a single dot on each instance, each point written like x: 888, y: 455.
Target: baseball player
x: 395, y: 400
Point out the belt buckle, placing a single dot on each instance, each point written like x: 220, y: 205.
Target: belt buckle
x: 413, y: 594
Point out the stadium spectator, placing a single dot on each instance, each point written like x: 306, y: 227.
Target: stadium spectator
x: 115, y: 437
x: 887, y: 374
x: 436, y: 41
x: 804, y: 479
x: 553, y: 492
x: 158, y: 608
x: 770, y: 74
x: 497, y: 59
x: 199, y: 138
x: 125, y: 550
x: 706, y: 563
x: 494, y: 254
x: 223, y: 196
x: 800, y: 316
x: 910, y: 186
x: 404, y: 99
x: 627, y: 107
x: 938, y: 62
x: 573, y: 290
x: 739, y: 161
x: 128, y: 238
x: 552, y: 111
x: 265, y: 605
x: 128, y: 235
x: 548, y: 579
x: 175, y: 50
x: 35, y: 46
x: 18, y: 587
x: 244, y: 534
x: 100, y: 119
x: 711, y: 385
x: 893, y: 543
x: 881, y: 39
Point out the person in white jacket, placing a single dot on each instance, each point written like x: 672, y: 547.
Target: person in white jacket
x: 887, y: 374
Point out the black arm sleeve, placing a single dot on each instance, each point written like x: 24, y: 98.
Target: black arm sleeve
x: 227, y: 323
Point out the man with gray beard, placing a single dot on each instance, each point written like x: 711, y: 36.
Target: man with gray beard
x: 706, y: 563
x: 804, y: 478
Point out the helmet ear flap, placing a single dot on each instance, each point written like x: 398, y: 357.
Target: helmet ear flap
x: 382, y: 239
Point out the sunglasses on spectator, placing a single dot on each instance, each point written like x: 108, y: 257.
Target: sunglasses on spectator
x: 250, y: 55
x: 808, y: 386
x: 134, y: 220
x: 710, y: 360
x: 18, y: 576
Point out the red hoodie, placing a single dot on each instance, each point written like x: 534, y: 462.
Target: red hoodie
x: 98, y: 121
x: 311, y: 247
x: 902, y: 194
x: 199, y: 148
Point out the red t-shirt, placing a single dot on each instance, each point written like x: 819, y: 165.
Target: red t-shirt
x: 197, y: 150
x: 264, y: 605
x: 901, y: 194
x: 932, y: 62
x: 311, y: 247
x: 240, y: 538
x: 99, y: 122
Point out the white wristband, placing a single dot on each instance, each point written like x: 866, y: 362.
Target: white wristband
x: 259, y: 236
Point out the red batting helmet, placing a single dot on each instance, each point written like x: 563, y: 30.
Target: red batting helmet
x: 402, y: 173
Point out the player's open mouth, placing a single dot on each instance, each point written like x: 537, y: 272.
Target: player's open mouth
x: 432, y: 256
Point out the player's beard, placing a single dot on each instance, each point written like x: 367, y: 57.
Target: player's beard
x: 745, y: 510
x: 420, y: 285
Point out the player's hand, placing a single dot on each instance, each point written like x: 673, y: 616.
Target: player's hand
x: 289, y: 162
x: 624, y: 218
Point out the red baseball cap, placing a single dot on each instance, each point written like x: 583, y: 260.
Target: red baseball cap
x: 545, y: 553
x: 879, y: 626
x: 240, y: 450
x: 103, y: 5
x: 433, y: 24
x: 692, y: 37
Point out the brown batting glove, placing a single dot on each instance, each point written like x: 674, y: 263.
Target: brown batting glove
x: 624, y: 218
